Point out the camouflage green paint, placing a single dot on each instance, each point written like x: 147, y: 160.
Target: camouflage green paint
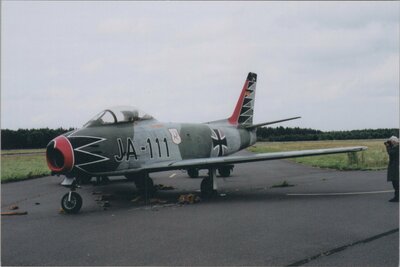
x: 196, y: 141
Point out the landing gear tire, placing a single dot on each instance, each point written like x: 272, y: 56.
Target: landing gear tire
x: 145, y: 185
x: 193, y: 173
x: 71, y: 204
x: 207, y: 190
x: 225, y: 171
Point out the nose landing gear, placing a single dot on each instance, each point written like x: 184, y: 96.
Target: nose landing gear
x: 71, y: 202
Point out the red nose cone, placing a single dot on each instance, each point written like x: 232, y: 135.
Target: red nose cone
x: 60, y: 155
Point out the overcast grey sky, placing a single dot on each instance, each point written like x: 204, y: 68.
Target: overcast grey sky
x: 336, y: 64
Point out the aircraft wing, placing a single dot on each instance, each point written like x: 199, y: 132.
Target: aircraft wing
x: 220, y: 161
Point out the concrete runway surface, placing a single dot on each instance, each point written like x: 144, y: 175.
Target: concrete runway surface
x: 327, y: 218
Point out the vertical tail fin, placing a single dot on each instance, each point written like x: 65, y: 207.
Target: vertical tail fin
x: 243, y: 112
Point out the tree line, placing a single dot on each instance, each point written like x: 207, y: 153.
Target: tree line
x: 39, y: 138
x: 29, y: 138
x: 305, y: 134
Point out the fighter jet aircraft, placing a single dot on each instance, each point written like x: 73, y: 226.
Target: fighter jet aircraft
x: 125, y: 141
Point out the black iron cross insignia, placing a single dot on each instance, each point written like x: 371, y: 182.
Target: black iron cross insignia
x: 219, y: 141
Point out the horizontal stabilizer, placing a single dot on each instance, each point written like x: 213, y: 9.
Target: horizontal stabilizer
x: 268, y: 123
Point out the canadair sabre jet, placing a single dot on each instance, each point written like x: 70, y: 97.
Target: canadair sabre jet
x: 126, y: 141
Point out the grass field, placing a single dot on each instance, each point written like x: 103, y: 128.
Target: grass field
x: 22, y: 151
x: 17, y: 166
x: 375, y: 158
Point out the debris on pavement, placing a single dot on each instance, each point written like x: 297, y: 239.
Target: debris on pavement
x: 10, y: 213
x: 13, y: 207
x: 283, y: 184
x: 106, y: 197
x: 136, y: 199
x: 105, y: 204
x: 152, y: 201
x: 157, y: 201
x: 103, y: 197
x: 163, y: 187
x: 189, y: 199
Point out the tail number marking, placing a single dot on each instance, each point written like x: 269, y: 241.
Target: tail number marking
x: 130, y: 150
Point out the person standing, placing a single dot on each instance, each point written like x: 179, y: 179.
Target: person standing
x: 392, y: 148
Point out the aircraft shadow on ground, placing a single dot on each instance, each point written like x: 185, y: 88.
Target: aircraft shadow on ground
x: 121, y: 194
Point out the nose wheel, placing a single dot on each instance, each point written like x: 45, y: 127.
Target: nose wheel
x: 71, y: 202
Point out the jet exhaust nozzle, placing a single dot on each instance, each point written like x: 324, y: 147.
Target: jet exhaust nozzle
x: 60, y: 155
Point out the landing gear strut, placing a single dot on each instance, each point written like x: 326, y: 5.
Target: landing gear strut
x: 71, y: 202
x: 144, y: 184
x: 209, y: 185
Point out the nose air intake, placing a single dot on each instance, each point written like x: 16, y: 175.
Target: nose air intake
x: 60, y: 155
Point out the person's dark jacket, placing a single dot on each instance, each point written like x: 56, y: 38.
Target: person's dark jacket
x: 393, y: 168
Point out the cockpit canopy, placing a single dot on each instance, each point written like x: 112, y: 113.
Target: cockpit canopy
x: 122, y: 114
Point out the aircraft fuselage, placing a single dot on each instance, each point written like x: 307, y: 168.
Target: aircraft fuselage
x: 108, y: 149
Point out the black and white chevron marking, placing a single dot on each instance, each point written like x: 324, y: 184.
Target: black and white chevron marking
x: 84, y: 158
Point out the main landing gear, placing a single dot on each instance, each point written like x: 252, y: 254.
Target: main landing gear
x: 144, y: 184
x: 224, y: 171
x: 208, y: 185
x: 71, y: 202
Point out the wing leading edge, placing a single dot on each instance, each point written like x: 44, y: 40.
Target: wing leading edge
x: 218, y: 161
